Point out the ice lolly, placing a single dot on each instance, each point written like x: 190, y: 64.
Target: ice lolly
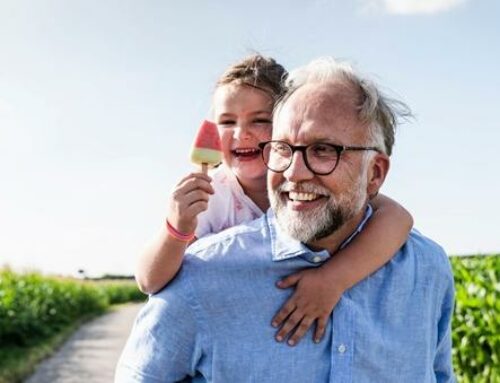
x: 207, y: 149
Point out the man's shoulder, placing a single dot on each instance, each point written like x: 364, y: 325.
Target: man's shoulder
x: 427, y: 252
x: 422, y: 243
x: 207, y: 260
x: 235, y: 237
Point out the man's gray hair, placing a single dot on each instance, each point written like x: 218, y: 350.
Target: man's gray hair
x: 381, y: 113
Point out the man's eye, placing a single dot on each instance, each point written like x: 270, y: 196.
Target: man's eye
x: 323, y: 150
x: 281, y: 149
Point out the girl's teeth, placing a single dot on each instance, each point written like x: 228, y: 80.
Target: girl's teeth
x: 245, y: 151
x: 302, y: 196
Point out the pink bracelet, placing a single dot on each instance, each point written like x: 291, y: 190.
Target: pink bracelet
x: 178, y: 235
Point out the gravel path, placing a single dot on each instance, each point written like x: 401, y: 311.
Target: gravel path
x: 91, y: 353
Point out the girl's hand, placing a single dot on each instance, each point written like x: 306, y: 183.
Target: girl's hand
x: 189, y: 198
x: 314, y: 298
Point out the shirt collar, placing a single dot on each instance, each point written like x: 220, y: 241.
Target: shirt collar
x: 285, y: 247
x: 366, y: 217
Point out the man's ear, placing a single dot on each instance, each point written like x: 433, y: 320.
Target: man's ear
x: 378, y: 168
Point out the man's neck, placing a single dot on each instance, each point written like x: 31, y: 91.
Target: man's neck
x: 333, y: 242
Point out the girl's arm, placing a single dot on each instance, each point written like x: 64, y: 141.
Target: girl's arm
x: 162, y: 259
x: 380, y: 239
x: 159, y: 263
x: 319, y: 289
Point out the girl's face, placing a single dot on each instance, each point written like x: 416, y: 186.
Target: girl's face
x: 243, y: 115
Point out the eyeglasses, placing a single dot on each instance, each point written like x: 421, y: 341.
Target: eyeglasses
x: 320, y: 158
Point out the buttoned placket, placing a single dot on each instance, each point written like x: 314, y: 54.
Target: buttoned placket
x: 342, y: 343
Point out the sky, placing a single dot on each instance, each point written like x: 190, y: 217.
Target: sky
x: 100, y: 100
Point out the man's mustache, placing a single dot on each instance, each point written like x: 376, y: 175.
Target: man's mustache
x: 302, y: 187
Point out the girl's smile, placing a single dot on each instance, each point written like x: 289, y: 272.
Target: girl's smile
x: 244, y: 117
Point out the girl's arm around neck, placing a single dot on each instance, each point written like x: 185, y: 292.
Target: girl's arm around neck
x: 318, y: 290
x: 383, y: 235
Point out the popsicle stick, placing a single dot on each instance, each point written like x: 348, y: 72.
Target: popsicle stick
x: 204, y: 168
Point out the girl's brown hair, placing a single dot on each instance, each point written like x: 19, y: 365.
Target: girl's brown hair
x: 257, y: 71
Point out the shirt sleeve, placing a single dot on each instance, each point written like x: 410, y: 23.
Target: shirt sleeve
x: 204, y: 226
x: 213, y: 219
x: 164, y: 343
x: 442, y: 361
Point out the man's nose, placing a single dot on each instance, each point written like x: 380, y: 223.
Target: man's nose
x: 298, y: 171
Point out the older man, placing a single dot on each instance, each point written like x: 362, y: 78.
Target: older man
x: 333, y: 132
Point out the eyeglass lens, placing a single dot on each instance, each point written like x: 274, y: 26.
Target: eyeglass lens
x: 320, y: 158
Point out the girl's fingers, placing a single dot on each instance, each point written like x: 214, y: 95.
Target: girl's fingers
x: 184, y: 211
x: 195, y: 176
x: 189, y: 198
x: 289, y: 281
x: 301, y: 330
x: 291, y: 322
x: 284, y: 312
x: 193, y: 197
x: 196, y: 208
x: 193, y: 184
x: 320, y: 328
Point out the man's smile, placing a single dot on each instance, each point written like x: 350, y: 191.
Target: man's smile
x: 301, y: 196
x: 300, y: 200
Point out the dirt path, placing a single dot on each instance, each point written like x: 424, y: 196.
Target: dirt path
x: 90, y: 354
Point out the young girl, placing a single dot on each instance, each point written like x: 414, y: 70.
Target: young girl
x: 236, y: 192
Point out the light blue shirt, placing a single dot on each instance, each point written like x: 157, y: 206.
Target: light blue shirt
x: 213, y: 322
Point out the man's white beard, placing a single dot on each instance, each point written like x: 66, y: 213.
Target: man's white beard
x: 314, y: 224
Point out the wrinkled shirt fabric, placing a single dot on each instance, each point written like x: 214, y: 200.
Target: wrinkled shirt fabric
x: 228, y: 206
x: 213, y: 322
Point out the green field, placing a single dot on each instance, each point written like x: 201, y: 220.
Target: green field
x: 476, y: 320
x: 38, y: 312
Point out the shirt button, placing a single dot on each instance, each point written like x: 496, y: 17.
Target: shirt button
x: 317, y: 259
x: 342, y: 348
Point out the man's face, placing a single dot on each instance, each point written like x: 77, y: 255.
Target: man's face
x: 307, y: 206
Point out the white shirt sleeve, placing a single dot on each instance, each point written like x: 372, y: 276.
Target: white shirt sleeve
x: 214, y: 218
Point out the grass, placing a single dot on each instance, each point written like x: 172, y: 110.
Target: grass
x: 17, y: 362
x: 38, y: 313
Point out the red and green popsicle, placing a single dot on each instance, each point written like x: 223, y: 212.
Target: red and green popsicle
x: 207, y: 150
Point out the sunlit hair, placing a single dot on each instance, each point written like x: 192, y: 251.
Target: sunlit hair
x: 381, y: 113
x: 257, y: 71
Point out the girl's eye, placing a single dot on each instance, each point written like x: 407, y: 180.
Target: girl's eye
x: 226, y: 123
x: 262, y: 121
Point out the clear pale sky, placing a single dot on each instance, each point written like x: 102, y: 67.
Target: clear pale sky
x: 99, y: 101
